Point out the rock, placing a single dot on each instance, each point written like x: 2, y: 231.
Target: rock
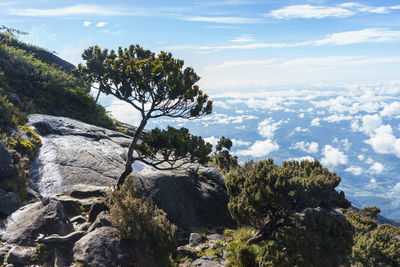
x: 14, y: 98
x: 78, y: 219
x: 101, y: 220
x: 8, y: 202
x: 196, y: 239
x: 213, y: 175
x: 6, y: 162
x: 95, y: 209
x: 46, y: 217
x: 216, y: 237
x: 191, y: 202
x: 183, y: 252
x: 56, y: 239
x: 85, y: 191
x: 32, y: 194
x: 102, y: 248
x: 20, y: 255
x: 206, y: 263
x: 75, y: 153
x: 84, y: 227
x: 75, y: 206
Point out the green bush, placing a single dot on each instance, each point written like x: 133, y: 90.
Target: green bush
x: 140, y: 220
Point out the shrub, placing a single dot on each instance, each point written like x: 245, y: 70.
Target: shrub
x: 140, y: 220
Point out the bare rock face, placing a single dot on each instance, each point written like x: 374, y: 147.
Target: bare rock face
x: 191, y: 201
x: 6, y: 162
x: 101, y: 247
x: 46, y: 217
x: 8, y: 202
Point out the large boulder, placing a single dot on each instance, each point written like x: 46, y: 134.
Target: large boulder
x: 74, y: 153
x: 102, y: 248
x: 46, y: 217
x: 6, y: 162
x: 8, y: 202
x: 191, y: 201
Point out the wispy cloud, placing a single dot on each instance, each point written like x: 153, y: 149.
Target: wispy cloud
x: 227, y: 20
x: 75, y: 11
x: 319, y: 11
x: 372, y: 35
x: 86, y: 23
x: 101, y: 24
x: 225, y: 3
x: 243, y: 39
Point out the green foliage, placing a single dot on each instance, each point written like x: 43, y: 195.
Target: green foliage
x: 40, y: 253
x: 240, y: 253
x: 10, y: 116
x: 140, y: 220
x: 292, y: 207
x: 222, y: 158
x: 374, y: 244
x: 159, y: 146
x: 46, y: 88
x: 267, y: 191
x: 371, y: 211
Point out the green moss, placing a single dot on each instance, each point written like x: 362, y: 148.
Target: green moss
x: 40, y: 253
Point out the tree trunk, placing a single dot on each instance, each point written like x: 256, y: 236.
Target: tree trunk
x: 132, y: 146
x: 97, y: 97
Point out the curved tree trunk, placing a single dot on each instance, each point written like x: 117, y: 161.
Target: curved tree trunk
x: 132, y: 146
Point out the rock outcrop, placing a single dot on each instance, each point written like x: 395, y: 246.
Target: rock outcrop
x: 8, y: 202
x: 102, y: 248
x: 46, y: 217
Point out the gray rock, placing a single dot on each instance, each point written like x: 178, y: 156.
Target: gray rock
x: 46, y: 217
x: 190, y: 202
x: 8, y: 202
x: 88, y: 191
x: 56, y: 239
x: 182, y: 252
x: 95, y: 209
x: 20, y: 255
x: 196, y: 239
x: 84, y: 227
x: 78, y: 219
x: 101, y: 220
x: 75, y: 206
x: 216, y: 237
x: 206, y: 263
x: 213, y: 175
x: 6, y: 162
x: 102, y: 248
x: 14, y: 98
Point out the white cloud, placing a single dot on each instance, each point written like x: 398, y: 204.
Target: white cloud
x: 377, y: 168
x: 87, y: 23
x: 227, y: 20
x: 356, y: 170
x: 337, y: 118
x: 101, y: 24
x: 301, y: 115
x: 311, y: 147
x: 384, y: 142
x: 319, y: 12
x: 390, y: 110
x: 333, y: 156
x: 299, y: 130
x: 300, y: 159
x: 370, y: 123
x: 260, y: 149
x: 315, y: 122
x: 268, y: 127
x: 371, y: 35
x: 124, y: 112
x: 355, y: 126
x: 243, y: 39
x: 309, y: 11
x: 361, y: 157
x: 212, y: 140
x: 344, y: 143
x: 238, y: 142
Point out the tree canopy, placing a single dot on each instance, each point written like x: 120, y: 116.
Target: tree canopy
x: 154, y: 85
x: 293, y: 207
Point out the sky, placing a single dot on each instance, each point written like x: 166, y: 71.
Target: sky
x: 234, y: 45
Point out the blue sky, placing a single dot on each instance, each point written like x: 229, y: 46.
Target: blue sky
x: 234, y: 45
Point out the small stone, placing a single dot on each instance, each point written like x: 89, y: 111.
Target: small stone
x: 196, y: 239
x: 78, y: 219
x: 202, y: 247
x: 216, y: 237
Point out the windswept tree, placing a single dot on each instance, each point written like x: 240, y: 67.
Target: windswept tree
x: 156, y: 86
x: 224, y: 160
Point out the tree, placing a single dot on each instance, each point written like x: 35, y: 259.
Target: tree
x: 224, y: 160
x: 156, y: 86
x: 293, y: 208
